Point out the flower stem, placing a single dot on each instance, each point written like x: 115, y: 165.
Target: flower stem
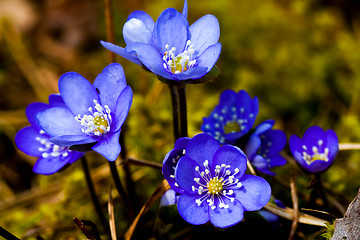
x: 318, y: 193
x: 175, y: 109
x: 120, y: 189
x: 94, y: 198
x: 183, y: 110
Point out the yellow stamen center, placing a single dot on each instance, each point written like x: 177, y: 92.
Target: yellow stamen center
x: 231, y: 127
x: 215, y: 185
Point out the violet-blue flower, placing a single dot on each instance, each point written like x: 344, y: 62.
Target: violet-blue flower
x: 232, y: 118
x: 170, y: 161
x: 94, y: 113
x: 215, y: 186
x: 33, y: 141
x: 170, y: 47
x: 263, y: 147
x: 316, y: 151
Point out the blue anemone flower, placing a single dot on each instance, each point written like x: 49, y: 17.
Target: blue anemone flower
x: 170, y: 162
x: 33, y: 141
x: 215, y: 186
x: 94, y: 113
x: 263, y: 147
x: 232, y: 118
x: 170, y: 47
x: 316, y: 151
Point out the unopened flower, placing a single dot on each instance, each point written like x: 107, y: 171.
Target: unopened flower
x: 170, y: 47
x: 94, y: 113
x: 33, y: 141
x: 316, y: 151
x: 263, y: 147
x: 214, y: 185
x: 232, y: 118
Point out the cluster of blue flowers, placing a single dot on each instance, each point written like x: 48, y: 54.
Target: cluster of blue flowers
x: 207, y: 172
x: 83, y: 116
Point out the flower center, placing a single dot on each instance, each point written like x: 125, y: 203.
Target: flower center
x: 180, y: 62
x: 231, y: 127
x: 50, y: 149
x: 215, y: 185
x: 220, y: 186
x: 316, y: 155
x: 98, y: 122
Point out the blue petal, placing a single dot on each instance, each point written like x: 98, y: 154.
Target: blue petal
x: 233, y: 156
x: 190, y: 211
x: 171, y: 29
x: 312, y: 135
x: 252, y: 146
x: 227, y: 217
x: 193, y: 73
x: 185, y: 9
x: 121, y: 51
x: 150, y: 57
x: 262, y: 165
x: 264, y: 126
x: 185, y: 173
x: 55, y: 100
x: 74, y: 156
x: 25, y: 140
x: 277, y: 160
x: 181, y: 143
x: 254, y: 194
x: 69, y: 140
x: 144, y: 17
x: 109, y: 146
x: 109, y: 85
x: 228, y: 98
x: 135, y: 30
x: 77, y: 92
x: 32, y: 109
x: 50, y: 165
x: 123, y: 105
x: 209, y: 57
x: 274, y: 141
x: 204, y: 32
x: 59, y: 121
x: 169, y: 198
x: 332, y: 143
x: 168, y: 168
x: 202, y: 147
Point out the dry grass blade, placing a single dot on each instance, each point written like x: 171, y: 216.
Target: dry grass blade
x: 111, y: 215
x: 288, y: 214
x: 159, y: 191
x: 349, y: 146
x: 296, y: 207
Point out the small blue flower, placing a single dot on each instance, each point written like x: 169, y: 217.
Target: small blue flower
x: 316, y: 151
x: 170, y: 47
x: 33, y: 141
x: 232, y: 118
x: 94, y: 113
x: 214, y: 185
x: 170, y: 161
x: 263, y: 147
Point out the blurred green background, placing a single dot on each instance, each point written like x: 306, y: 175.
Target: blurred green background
x: 300, y: 58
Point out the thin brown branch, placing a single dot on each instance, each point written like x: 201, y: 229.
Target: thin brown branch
x: 295, y: 201
x: 159, y: 191
x: 83, y: 229
x: 250, y: 167
x: 142, y: 163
